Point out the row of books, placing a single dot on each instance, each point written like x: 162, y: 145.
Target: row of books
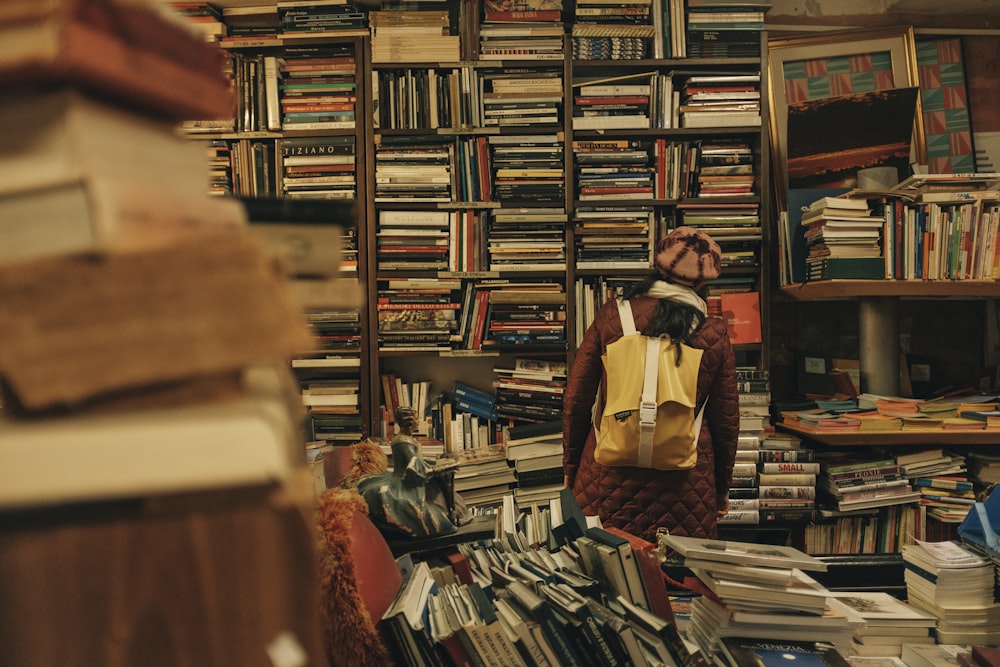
x: 289, y: 167
x: 640, y: 29
x: 612, y: 169
x: 432, y: 99
x: 933, y: 230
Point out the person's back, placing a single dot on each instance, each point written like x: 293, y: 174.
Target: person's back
x: 635, y: 499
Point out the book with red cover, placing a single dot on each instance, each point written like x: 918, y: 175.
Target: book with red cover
x: 648, y: 558
x: 460, y: 564
x: 125, y: 50
x: 742, y: 312
x: 986, y: 656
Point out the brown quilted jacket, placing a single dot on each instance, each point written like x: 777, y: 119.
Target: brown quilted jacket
x: 641, y: 500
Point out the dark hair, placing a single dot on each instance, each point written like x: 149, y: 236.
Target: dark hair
x: 672, y: 318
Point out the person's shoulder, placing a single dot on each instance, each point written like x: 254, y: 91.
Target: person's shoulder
x: 713, y: 330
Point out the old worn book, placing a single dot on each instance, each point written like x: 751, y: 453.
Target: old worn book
x: 129, y: 51
x: 250, y: 439
x: 83, y: 174
x: 77, y: 328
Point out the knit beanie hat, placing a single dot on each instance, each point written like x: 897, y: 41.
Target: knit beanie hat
x: 688, y: 256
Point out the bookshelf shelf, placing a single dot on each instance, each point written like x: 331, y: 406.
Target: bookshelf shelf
x: 897, y: 438
x: 923, y: 289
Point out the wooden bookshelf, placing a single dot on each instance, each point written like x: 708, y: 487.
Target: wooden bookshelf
x: 922, y: 289
x: 386, y: 87
x: 928, y: 437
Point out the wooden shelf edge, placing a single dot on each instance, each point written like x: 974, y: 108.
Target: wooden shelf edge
x: 897, y: 438
x: 849, y: 289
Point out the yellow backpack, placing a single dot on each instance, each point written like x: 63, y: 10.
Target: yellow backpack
x: 649, y: 419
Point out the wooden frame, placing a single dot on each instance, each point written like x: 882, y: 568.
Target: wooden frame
x: 837, y: 63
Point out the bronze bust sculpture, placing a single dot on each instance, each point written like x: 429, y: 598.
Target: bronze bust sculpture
x: 415, y: 498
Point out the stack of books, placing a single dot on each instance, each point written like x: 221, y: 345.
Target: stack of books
x: 322, y: 86
x: 948, y: 498
x: 414, y: 315
x: 521, y: 30
x: 619, y: 31
x: 612, y: 103
x: 787, y: 491
x: 725, y: 28
x: 528, y: 169
x: 414, y: 169
x: 613, y: 169
x: 205, y: 17
x: 882, y: 623
x: 864, y: 484
x: 172, y: 326
x: 758, y: 592
x: 320, y: 18
x: 504, y: 329
x: 532, y: 391
x: 720, y: 100
x: 614, y: 237
x: 317, y: 167
x: 535, y: 451
x: 521, y: 97
x: 843, y: 240
x: 527, y: 239
x: 956, y: 585
x: 407, y: 35
x: 484, y: 480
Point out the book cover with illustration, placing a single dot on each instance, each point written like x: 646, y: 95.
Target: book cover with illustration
x: 746, y: 652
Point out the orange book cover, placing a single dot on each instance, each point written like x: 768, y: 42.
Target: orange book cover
x: 742, y: 312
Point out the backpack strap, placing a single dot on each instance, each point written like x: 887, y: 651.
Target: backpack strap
x: 647, y: 406
x: 625, y: 313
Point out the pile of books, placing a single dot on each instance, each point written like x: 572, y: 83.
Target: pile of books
x: 413, y: 316
x: 528, y: 169
x: 614, y: 237
x: 527, y: 239
x: 720, y: 100
x: 414, y: 169
x: 613, y: 103
x: 725, y: 28
x: 535, y: 451
x: 619, y: 31
x: 521, y: 97
x: 862, y: 484
x: 882, y: 623
x: 532, y: 391
x: 956, y: 585
x: 413, y: 36
x: 758, y: 593
x: 314, y: 18
x: 613, y: 169
x: 521, y: 30
x: 843, y: 238
x: 317, y: 167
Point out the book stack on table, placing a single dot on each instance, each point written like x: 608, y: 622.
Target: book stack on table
x: 759, y: 594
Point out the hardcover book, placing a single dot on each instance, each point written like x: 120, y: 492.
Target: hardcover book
x: 747, y: 553
x: 741, y: 652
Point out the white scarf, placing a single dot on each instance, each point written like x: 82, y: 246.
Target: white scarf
x: 661, y: 289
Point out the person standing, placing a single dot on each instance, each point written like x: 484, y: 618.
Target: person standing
x: 669, y: 301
